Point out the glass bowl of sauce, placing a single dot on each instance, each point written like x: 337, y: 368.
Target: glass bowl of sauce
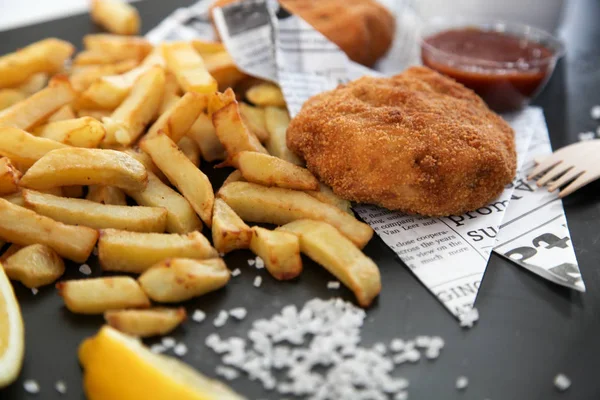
x: 506, y: 64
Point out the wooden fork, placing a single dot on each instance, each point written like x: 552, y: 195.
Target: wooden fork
x: 578, y: 163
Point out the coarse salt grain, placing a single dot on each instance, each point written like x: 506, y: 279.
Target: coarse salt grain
x: 236, y: 272
x: 180, y: 349
x: 61, y: 387
x: 221, y: 319
x: 198, y: 316
x: 562, y: 382
x: 31, y: 386
x: 595, y: 112
x: 257, y: 281
x: 401, y: 396
x: 227, y: 372
x: 422, y: 341
x: 251, y: 262
x: 85, y: 269
x: 260, y: 264
x: 397, y: 344
x: 583, y: 136
x: 468, y: 318
x: 238, y: 313
x: 333, y: 285
x: 34, y: 291
x: 462, y: 382
x: 168, y: 342
x: 379, y: 348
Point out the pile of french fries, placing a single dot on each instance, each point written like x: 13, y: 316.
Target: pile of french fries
x: 102, y: 154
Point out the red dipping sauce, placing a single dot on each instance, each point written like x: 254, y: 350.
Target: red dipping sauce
x: 505, y: 69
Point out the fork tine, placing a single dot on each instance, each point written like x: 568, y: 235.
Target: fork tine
x: 581, y: 181
x: 566, y: 178
x: 544, y: 165
x: 557, y: 170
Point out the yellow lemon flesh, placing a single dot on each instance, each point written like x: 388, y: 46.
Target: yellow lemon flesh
x: 119, y: 367
x: 12, y: 333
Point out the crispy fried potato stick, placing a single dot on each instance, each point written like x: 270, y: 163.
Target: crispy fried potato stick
x: 116, y: 16
x: 106, y: 195
x: 188, y: 67
x: 232, y: 131
x: 80, y: 132
x: 63, y: 113
x: 229, y: 232
x: 146, y: 323
x: 23, y: 148
x: 177, y: 121
x: 279, y: 250
x: 34, y: 266
x: 266, y: 94
x: 277, y: 121
x: 203, y: 133
x: 9, y: 177
x: 118, y: 47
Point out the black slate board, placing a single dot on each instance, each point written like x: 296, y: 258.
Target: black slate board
x: 529, y: 329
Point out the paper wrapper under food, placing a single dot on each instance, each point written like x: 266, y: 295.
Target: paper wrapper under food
x: 449, y: 255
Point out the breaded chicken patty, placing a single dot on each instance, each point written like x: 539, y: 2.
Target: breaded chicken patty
x: 417, y: 142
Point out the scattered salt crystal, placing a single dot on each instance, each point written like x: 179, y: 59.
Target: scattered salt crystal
x: 379, y: 348
x: 401, y: 396
x: 468, y: 318
x: 236, y: 272
x: 333, y: 285
x: 34, y: 291
x: 180, y: 349
x: 226, y: 372
x: 238, y: 313
x: 61, y: 387
x: 31, y: 386
x: 436, y: 342
x: 198, y: 316
x: 595, y: 112
x: 422, y: 341
x: 157, y: 348
x: 257, y: 281
x: 251, y: 262
x: 562, y: 382
x: 432, y: 353
x: 168, y: 342
x: 260, y: 264
x: 85, y: 269
x: 462, y: 382
x: 397, y: 344
x: 583, y: 136
x: 413, y: 356
x: 221, y: 319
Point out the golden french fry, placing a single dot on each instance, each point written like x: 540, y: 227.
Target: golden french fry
x: 34, y: 266
x: 272, y: 171
x: 22, y: 226
x: 171, y: 95
x: 203, y: 133
x: 232, y: 132
x: 266, y: 94
x: 229, y: 232
x: 23, y: 148
x: 77, y: 166
x: 221, y: 67
x: 110, y: 91
x: 8, y: 97
x: 48, y: 55
x: 136, y: 252
x: 146, y: 161
x: 63, y: 113
x: 118, y: 47
x: 97, y: 295
x: 190, y: 149
x: 91, y: 57
x: 96, y: 114
x: 106, y: 195
x: 80, y: 132
x: 188, y: 67
x: 177, y: 121
x: 205, y: 48
x: 327, y: 246
x: 189, y: 180
x: 279, y: 250
x: 179, y: 279
x: 96, y: 215
x: 34, y: 83
x: 254, y: 119
x: 326, y: 195
x: 12, y: 249
x: 116, y: 16
x: 235, y: 176
x: 34, y: 109
x: 129, y: 120
x: 277, y: 121
x: 145, y: 323
x: 181, y: 217
x: 15, y: 198
x: 217, y: 100
x: 279, y: 206
x: 9, y: 177
x: 83, y: 77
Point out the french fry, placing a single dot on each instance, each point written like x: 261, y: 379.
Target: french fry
x: 279, y: 206
x: 34, y: 109
x: 118, y: 47
x: 277, y: 121
x: 9, y: 177
x: 116, y: 16
x: 8, y: 97
x: 205, y: 48
x: 96, y: 114
x: 34, y: 266
x: 48, y: 55
x: 235, y: 176
x: 12, y: 249
x: 77, y: 166
x: 327, y: 246
x: 279, y: 250
x: 326, y: 195
x: 254, y: 119
x: 180, y: 279
x: 190, y: 149
x: 171, y: 95
x: 146, y: 323
x: 23, y: 148
x: 229, y: 232
x: 129, y: 120
x: 83, y: 77
x: 15, y: 198
x: 191, y: 182
x: 221, y: 67
x: 22, y: 226
x: 176, y: 122
x: 232, y: 132
x: 97, y: 295
x: 266, y: 94
x: 136, y: 252
x: 62, y: 114
x: 203, y: 133
x: 91, y: 57
x: 188, y: 67
x: 146, y: 161
x: 217, y: 101
x: 80, y: 132
x: 34, y: 83
x: 106, y: 195
x: 181, y: 217
x: 272, y: 171
x: 95, y: 215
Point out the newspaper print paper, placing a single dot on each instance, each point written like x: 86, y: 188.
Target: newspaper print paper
x: 448, y: 255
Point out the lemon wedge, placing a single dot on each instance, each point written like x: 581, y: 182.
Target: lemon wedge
x: 12, y: 334
x: 119, y: 367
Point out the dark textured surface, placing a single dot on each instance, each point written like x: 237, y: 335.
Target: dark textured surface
x: 529, y: 329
